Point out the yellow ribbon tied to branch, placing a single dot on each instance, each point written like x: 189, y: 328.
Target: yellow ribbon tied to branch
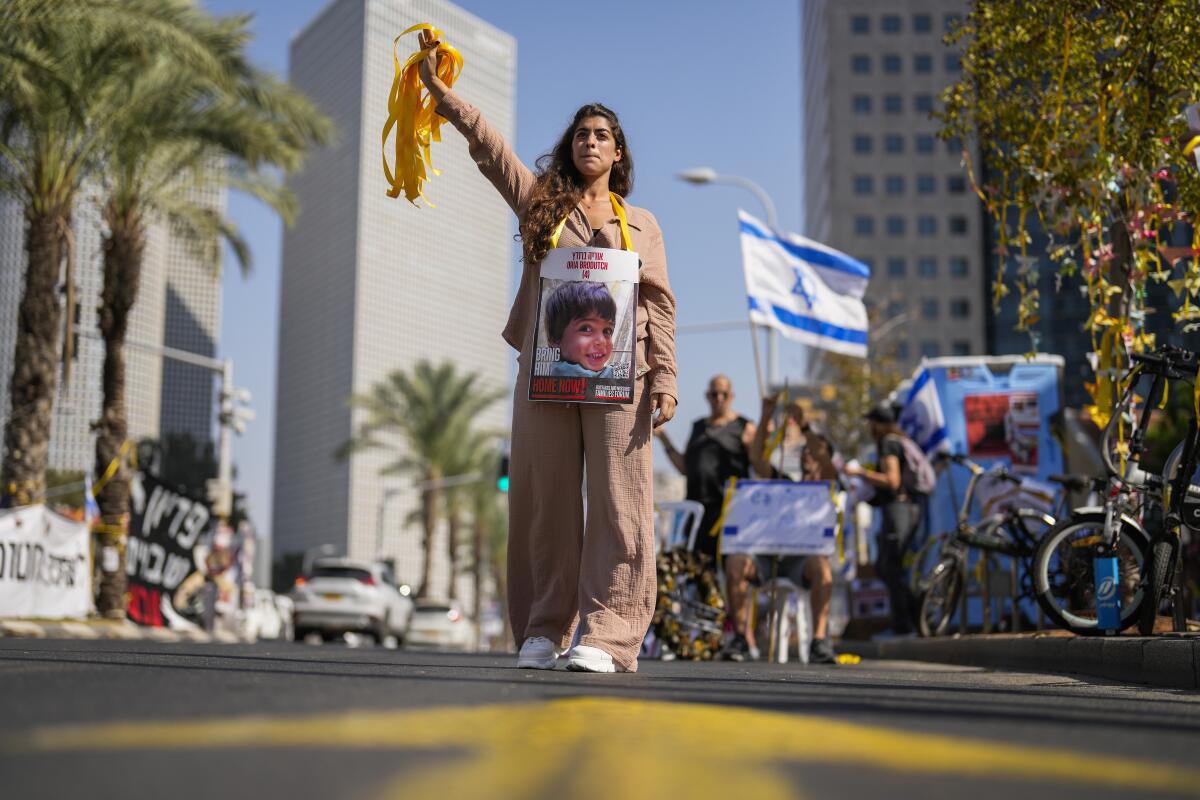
x: 412, y: 112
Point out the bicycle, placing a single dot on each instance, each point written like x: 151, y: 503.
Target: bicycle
x: 1101, y: 571
x: 1009, y: 531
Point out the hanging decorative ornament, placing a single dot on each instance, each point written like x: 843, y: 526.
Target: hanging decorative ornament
x: 412, y: 112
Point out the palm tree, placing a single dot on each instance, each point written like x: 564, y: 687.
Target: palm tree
x: 426, y: 417
x: 184, y: 131
x: 57, y: 109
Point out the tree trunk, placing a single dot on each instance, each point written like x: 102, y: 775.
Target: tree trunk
x: 478, y: 562
x: 35, y: 360
x: 429, y: 517
x: 453, y: 523
x: 124, y: 249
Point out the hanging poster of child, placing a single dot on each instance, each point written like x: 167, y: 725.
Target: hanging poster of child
x: 584, y: 350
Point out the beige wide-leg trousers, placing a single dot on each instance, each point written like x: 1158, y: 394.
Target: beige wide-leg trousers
x: 560, y: 572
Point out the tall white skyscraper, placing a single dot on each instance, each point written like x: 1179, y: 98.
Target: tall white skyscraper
x: 879, y: 184
x: 371, y: 284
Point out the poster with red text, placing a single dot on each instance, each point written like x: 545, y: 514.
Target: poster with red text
x: 1004, y: 425
x: 587, y: 307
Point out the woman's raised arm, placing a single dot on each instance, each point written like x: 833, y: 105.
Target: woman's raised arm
x: 491, y: 153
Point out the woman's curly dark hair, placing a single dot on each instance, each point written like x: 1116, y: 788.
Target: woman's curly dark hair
x: 560, y: 187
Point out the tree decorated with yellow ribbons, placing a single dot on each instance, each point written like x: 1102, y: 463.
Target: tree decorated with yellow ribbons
x: 1076, y: 111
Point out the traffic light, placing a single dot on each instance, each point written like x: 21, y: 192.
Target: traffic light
x: 502, y: 474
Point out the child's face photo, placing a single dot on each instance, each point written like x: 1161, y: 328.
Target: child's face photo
x: 587, y: 341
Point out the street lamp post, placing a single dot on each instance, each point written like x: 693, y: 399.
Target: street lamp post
x: 705, y: 175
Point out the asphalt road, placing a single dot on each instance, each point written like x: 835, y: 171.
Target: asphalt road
x: 141, y: 720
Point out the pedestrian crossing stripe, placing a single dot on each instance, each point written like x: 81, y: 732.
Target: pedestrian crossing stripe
x: 610, y: 747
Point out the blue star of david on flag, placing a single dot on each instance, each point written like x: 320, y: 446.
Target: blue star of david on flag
x: 803, y: 288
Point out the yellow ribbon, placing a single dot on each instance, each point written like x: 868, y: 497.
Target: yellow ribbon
x: 1192, y: 144
x: 715, y: 530
x: 841, y: 549
x: 111, y: 469
x: 777, y: 439
x: 412, y: 112
x: 617, y: 208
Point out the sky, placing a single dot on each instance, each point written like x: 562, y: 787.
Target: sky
x: 695, y: 83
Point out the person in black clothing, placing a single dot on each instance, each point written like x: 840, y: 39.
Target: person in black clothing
x: 716, y: 451
x: 900, y: 513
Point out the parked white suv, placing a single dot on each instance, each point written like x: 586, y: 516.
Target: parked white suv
x: 339, y: 596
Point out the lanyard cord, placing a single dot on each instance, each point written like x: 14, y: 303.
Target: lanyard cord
x: 618, y: 209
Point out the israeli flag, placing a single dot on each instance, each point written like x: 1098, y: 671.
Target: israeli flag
x: 922, y: 419
x: 810, y: 292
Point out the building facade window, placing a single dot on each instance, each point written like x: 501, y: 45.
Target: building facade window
x: 922, y: 63
x: 927, y: 225
x: 922, y: 23
x: 890, y: 23
x: 927, y: 267
x: 894, y: 184
x: 897, y: 267
x: 923, y: 103
x: 895, y: 225
x: 861, y: 104
x: 892, y: 104
x: 860, y: 24
x: 864, y: 184
x: 893, y: 143
x: 895, y: 308
x: 953, y: 62
x: 860, y: 65
x: 956, y: 184
x: 960, y: 308
x: 951, y: 21
x: 891, y: 64
x: 929, y: 308
x: 864, y: 226
x: 930, y: 349
x: 925, y: 143
x: 926, y: 184
x: 959, y: 267
x: 862, y: 144
x: 902, y: 351
x: 961, y: 348
x: 954, y: 145
x: 958, y: 225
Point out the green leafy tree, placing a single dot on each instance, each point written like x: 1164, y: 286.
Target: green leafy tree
x: 184, y: 131
x: 1076, y: 110
x: 427, y: 419
x: 58, y: 109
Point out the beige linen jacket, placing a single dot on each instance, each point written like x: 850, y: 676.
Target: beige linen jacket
x: 515, y: 182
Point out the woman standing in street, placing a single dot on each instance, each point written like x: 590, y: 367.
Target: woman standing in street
x: 562, y: 573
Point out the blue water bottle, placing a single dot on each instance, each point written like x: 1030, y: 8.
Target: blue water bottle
x: 1108, y: 599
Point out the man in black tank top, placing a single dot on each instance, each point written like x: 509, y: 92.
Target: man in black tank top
x: 716, y: 451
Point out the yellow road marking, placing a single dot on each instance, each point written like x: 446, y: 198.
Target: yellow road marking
x: 607, y: 747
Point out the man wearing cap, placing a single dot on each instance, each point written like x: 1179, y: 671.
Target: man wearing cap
x: 899, y: 511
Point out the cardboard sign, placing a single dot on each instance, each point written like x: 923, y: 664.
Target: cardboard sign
x: 586, y: 320
x: 780, y: 518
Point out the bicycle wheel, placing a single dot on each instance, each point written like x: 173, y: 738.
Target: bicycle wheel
x: 1161, y: 556
x: 924, y: 561
x: 940, y: 599
x: 1064, y: 577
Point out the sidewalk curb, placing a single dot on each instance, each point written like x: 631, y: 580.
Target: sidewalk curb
x: 106, y: 629
x: 1167, y: 661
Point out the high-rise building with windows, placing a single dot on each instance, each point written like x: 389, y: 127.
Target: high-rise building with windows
x: 371, y: 285
x: 178, y: 305
x: 879, y: 183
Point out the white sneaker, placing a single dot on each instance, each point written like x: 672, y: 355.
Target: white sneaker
x: 583, y: 658
x: 537, y: 652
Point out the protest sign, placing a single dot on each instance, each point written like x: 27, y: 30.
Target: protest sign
x: 780, y: 518
x: 44, y: 565
x: 586, y: 323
